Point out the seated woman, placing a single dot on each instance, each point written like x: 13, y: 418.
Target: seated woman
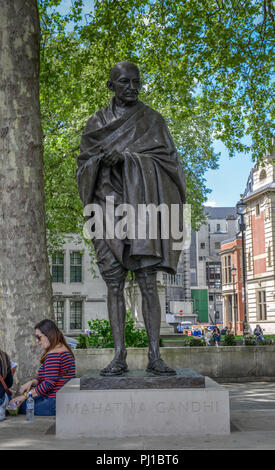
x: 57, y: 368
x: 258, y: 332
x: 207, y: 336
x: 216, y: 335
x: 6, y: 381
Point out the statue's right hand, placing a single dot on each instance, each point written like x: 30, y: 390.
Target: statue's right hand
x: 112, y: 158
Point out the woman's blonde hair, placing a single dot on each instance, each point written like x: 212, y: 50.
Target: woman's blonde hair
x: 54, y: 335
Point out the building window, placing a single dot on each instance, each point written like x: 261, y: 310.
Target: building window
x: 227, y: 269
x: 218, y: 227
x: 269, y: 260
x: 261, y: 305
x: 249, y: 261
x: 257, y: 210
x: 193, y: 278
x: 58, y: 306
x: 217, y: 245
x: 213, y: 275
x: 58, y: 267
x: 75, y: 266
x: 202, y: 246
x: 173, y: 279
x: 75, y: 315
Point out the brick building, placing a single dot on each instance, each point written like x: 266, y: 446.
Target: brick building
x: 260, y: 243
x: 232, y: 284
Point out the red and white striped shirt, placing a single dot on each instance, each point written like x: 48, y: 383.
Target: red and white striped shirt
x: 56, y: 370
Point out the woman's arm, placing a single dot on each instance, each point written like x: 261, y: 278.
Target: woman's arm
x: 24, y: 390
x: 28, y: 385
x: 51, y: 373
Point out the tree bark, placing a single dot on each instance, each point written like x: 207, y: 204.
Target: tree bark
x: 25, y: 283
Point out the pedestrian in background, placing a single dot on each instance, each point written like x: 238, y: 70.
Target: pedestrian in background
x: 216, y: 335
x: 249, y: 329
x: 208, y: 336
x: 258, y: 332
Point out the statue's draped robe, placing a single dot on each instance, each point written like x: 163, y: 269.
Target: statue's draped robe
x: 150, y: 174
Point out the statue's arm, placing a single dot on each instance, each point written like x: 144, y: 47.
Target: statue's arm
x: 112, y: 158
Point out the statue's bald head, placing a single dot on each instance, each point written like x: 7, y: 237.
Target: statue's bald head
x: 116, y: 70
x: 125, y: 83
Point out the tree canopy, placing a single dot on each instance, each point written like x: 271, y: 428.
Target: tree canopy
x: 206, y: 67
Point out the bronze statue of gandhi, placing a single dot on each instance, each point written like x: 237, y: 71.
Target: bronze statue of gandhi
x: 127, y: 153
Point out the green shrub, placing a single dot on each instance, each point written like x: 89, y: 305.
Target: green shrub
x: 193, y: 341
x: 265, y: 342
x: 229, y: 340
x: 82, y: 341
x: 134, y: 337
x: 100, y: 335
x: 250, y: 340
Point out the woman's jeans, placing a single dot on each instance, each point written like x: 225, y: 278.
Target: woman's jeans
x: 4, y: 401
x: 42, y: 406
x: 259, y: 337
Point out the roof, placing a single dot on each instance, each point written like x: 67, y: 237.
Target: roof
x: 232, y: 239
x: 266, y: 187
x: 220, y: 212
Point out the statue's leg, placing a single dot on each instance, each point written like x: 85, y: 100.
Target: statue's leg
x: 147, y: 280
x: 114, y: 275
x: 117, y: 317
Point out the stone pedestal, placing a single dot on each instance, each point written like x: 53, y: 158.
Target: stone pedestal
x: 140, y: 379
x: 141, y: 412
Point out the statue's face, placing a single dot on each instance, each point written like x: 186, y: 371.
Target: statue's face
x: 125, y: 84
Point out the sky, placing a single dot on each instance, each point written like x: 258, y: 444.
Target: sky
x: 229, y: 180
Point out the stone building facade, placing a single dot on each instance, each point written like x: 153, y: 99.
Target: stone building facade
x: 260, y: 244
x: 79, y: 292
x: 205, y: 260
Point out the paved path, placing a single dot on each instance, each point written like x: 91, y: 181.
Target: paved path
x: 252, y: 414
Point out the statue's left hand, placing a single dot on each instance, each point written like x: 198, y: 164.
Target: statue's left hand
x: 112, y: 158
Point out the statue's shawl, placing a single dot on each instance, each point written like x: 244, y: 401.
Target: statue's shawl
x: 151, y: 174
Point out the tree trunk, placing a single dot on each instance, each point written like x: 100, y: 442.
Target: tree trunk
x: 25, y: 284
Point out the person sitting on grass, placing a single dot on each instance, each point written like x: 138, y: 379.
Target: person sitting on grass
x: 180, y: 327
x: 208, y: 336
x: 197, y: 332
x: 216, y: 335
x: 57, y: 368
x: 258, y: 332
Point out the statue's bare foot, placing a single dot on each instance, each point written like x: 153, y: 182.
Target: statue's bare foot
x: 158, y: 367
x: 115, y: 367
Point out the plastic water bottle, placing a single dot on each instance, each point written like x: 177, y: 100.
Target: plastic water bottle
x: 30, y: 408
